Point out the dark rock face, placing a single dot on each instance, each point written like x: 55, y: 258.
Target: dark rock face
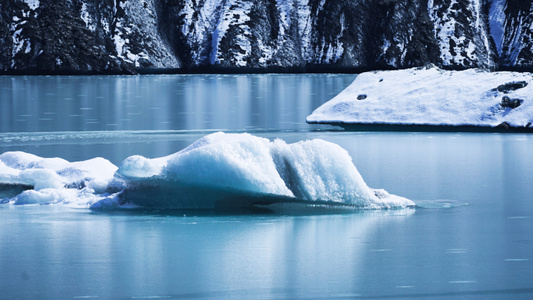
x: 48, y: 37
x: 407, y: 34
x: 101, y: 36
x: 511, y: 28
x: 511, y: 103
x: 122, y: 36
x: 510, y: 86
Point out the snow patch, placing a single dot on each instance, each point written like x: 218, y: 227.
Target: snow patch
x: 136, y: 36
x: 304, y: 28
x: 86, y: 17
x: 430, y: 97
x: 234, y: 13
x: 33, y: 4
x: 455, y: 47
x: 18, y: 41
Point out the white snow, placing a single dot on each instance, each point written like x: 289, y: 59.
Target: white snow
x: 17, y: 39
x: 304, y: 28
x: 33, y: 4
x: 120, y: 41
x: 139, y: 22
x: 17, y: 30
x: 55, y: 180
x: 233, y: 13
x: 309, y: 170
x: 213, y: 167
x: 197, y: 30
x: 285, y: 8
x: 444, y: 30
x: 429, y: 97
x: 445, y: 26
x: 86, y: 17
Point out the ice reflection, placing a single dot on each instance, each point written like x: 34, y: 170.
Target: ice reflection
x: 124, y: 256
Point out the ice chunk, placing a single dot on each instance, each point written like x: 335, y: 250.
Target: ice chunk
x: 45, y: 196
x: 28, y: 169
x: 220, y: 168
x: 21, y: 160
x: 319, y: 170
x: 62, y: 196
x: 218, y: 171
x: 53, y: 180
x: 140, y: 167
x: 231, y: 161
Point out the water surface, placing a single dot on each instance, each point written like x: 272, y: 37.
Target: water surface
x: 479, y: 248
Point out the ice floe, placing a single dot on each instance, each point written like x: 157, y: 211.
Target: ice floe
x: 431, y: 96
x: 217, y: 171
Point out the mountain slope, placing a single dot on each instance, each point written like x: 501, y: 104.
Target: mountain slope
x: 123, y: 36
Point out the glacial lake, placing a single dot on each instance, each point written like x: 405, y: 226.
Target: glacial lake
x: 470, y: 238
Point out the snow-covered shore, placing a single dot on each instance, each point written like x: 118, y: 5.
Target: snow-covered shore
x: 433, y: 97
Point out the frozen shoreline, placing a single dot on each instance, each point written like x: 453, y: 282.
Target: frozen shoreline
x: 431, y: 99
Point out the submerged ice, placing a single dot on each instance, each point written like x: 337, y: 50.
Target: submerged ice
x: 218, y: 171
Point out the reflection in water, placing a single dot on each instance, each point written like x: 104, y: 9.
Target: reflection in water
x: 163, y: 102
x: 118, y: 116
x: 120, y: 256
x: 480, y: 250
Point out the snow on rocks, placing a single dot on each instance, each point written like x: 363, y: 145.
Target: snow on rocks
x: 431, y: 96
x: 460, y: 32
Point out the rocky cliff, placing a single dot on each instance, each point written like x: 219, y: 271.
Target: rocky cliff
x: 125, y: 36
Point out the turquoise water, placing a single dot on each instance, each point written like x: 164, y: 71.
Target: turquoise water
x: 471, y: 237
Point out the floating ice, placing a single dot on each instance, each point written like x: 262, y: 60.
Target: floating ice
x: 432, y: 97
x: 218, y: 171
x: 53, y: 180
x: 243, y: 170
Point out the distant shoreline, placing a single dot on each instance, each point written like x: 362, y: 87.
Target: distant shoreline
x: 309, y: 69
x: 426, y: 128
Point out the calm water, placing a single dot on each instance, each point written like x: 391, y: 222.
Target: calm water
x: 481, y: 247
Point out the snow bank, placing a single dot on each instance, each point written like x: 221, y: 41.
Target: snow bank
x: 432, y: 97
x: 218, y: 171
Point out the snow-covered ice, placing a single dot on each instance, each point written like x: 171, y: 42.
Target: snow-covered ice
x: 53, y: 180
x: 431, y: 96
x: 217, y: 171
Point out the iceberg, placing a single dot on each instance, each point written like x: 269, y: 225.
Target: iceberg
x: 433, y: 98
x: 29, y: 179
x: 219, y: 171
